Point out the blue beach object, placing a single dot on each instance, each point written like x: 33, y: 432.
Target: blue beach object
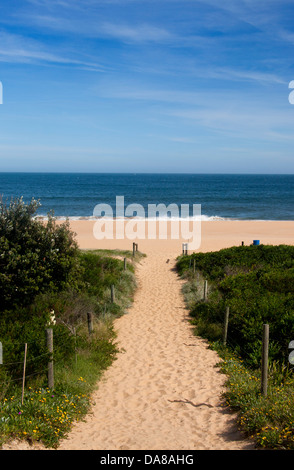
x: 255, y: 242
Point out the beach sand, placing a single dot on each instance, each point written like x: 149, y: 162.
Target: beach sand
x: 215, y: 235
x: 164, y: 391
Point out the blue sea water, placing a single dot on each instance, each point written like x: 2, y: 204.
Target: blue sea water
x: 75, y: 195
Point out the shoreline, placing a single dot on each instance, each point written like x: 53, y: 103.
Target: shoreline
x: 203, y: 218
x: 214, y: 235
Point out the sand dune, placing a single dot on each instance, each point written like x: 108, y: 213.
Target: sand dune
x: 164, y: 390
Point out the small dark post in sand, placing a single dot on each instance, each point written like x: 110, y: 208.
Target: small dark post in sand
x: 185, y: 248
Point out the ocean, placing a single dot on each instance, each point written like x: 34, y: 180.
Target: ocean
x: 221, y: 196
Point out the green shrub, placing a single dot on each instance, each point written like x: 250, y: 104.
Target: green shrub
x: 42, y: 270
x: 257, y: 283
x: 35, y: 256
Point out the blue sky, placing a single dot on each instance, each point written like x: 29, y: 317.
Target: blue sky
x: 147, y: 86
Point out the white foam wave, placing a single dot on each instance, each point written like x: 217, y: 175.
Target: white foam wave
x: 201, y: 218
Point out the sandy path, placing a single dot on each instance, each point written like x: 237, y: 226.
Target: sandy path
x: 164, y: 391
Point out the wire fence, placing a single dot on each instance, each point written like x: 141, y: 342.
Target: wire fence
x: 30, y: 364
x: 13, y: 372
x: 202, y: 295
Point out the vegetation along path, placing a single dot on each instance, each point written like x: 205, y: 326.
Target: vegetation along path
x: 164, y: 390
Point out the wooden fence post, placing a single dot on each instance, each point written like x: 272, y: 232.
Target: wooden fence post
x: 134, y: 248
x: 184, y: 248
x: 112, y: 293
x: 125, y: 264
x: 90, y: 322
x: 264, y: 365
x: 76, y: 352
x: 205, y: 290
x: 49, y: 334
x: 24, y: 373
x: 226, y: 323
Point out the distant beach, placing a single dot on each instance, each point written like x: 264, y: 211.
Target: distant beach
x: 234, y: 208
x: 215, y: 235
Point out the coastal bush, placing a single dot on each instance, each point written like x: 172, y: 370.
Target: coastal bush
x: 229, y: 261
x: 35, y: 257
x: 268, y: 420
x: 27, y: 324
x: 257, y: 284
x: 45, y: 415
x: 46, y: 281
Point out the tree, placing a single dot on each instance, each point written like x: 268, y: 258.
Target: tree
x: 35, y: 256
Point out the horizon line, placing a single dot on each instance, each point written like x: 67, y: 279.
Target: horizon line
x: 142, y: 173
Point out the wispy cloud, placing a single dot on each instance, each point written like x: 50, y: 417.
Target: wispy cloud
x: 227, y: 73
x: 256, y: 122
x: 244, y: 114
x: 140, y: 33
x: 133, y: 92
x: 16, y: 48
x: 96, y: 27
